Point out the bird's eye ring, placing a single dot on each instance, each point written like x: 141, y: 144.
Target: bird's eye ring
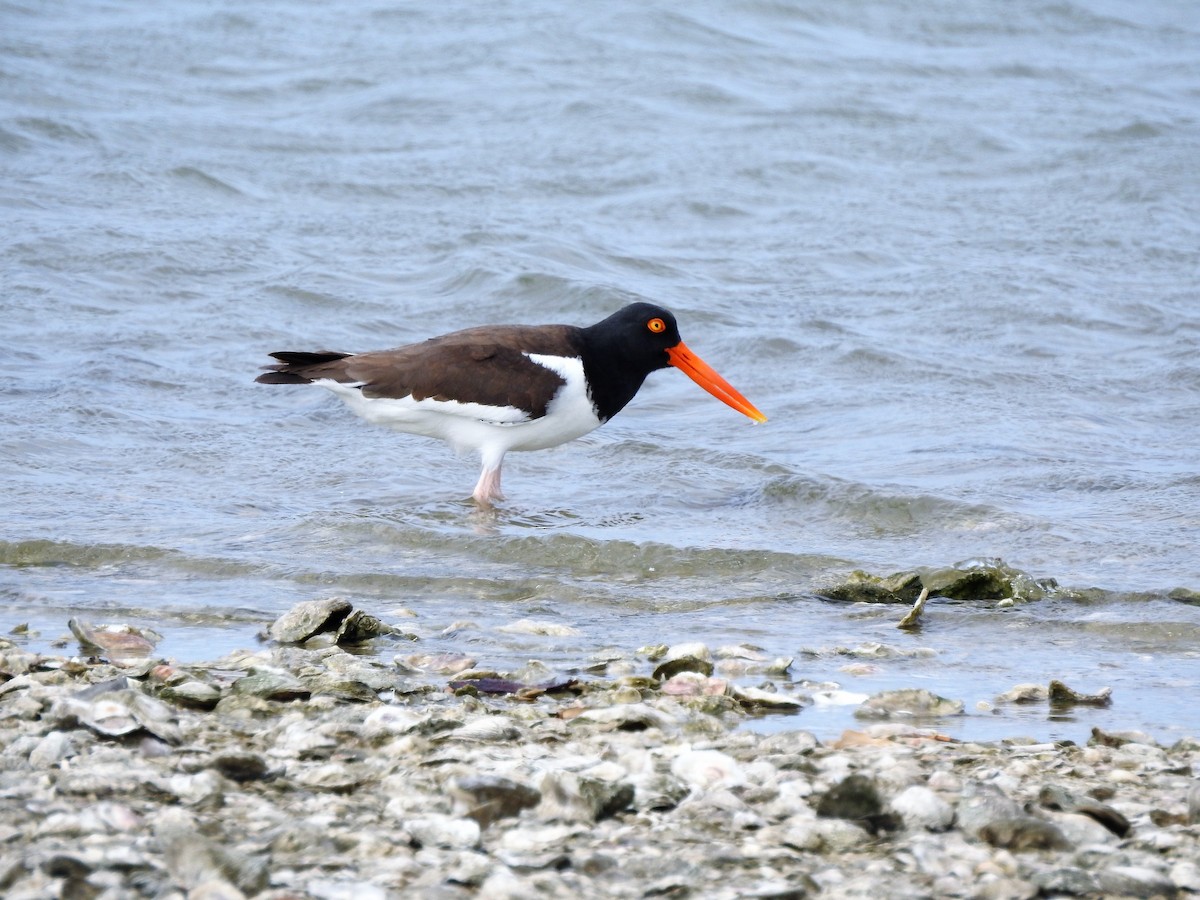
x: 658, y: 326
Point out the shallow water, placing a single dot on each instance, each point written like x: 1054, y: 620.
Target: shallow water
x: 949, y: 248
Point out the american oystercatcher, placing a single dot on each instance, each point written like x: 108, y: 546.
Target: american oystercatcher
x: 508, y: 387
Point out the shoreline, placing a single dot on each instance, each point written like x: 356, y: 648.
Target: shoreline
x: 299, y: 771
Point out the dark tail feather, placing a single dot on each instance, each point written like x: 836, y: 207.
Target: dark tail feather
x: 295, y: 367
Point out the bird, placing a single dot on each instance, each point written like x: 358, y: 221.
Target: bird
x: 497, y: 388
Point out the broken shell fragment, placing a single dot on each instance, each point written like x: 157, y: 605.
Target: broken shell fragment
x: 119, y: 644
x: 118, y: 711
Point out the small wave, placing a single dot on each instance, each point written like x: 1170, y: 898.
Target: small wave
x: 199, y: 178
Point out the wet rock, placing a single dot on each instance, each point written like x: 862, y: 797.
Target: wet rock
x: 308, y: 619
x: 902, y: 587
x: 1061, y: 695
x: 1185, y: 595
x: 972, y: 584
x: 359, y: 627
x: 911, y: 703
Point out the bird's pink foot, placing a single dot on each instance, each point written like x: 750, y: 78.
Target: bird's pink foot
x: 488, y: 488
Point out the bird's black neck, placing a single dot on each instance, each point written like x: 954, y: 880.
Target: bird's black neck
x: 614, y: 375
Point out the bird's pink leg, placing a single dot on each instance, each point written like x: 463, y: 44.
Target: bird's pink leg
x: 488, y: 487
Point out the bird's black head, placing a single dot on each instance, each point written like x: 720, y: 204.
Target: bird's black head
x: 620, y: 351
x: 638, y: 334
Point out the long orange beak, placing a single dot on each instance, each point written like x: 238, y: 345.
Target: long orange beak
x: 704, y: 375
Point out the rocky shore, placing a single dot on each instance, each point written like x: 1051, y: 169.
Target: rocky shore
x: 304, y: 769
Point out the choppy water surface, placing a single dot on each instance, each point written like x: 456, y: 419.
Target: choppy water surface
x: 949, y: 248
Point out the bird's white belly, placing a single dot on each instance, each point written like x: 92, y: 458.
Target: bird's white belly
x: 491, y: 430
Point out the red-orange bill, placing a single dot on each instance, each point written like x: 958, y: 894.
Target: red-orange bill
x: 704, y: 375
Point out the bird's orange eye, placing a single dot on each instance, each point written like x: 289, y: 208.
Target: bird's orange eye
x: 657, y: 325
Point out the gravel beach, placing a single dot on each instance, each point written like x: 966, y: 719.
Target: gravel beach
x: 305, y: 770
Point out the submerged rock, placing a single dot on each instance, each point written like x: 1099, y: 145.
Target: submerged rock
x: 1024, y: 693
x: 910, y: 703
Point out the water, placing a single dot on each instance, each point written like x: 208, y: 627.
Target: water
x: 951, y: 249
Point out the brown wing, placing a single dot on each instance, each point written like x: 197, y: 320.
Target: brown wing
x: 485, y: 365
